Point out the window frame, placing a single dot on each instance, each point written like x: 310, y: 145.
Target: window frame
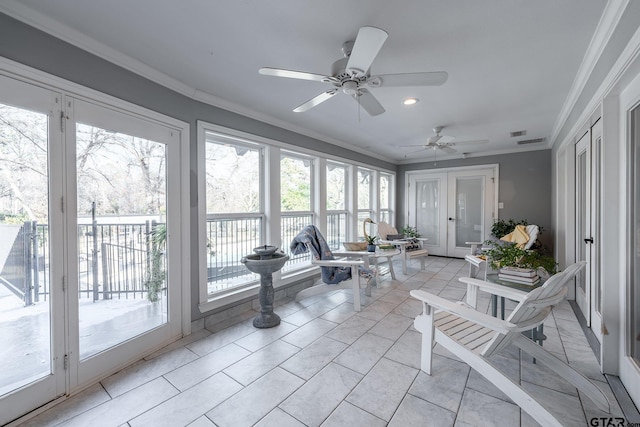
x: 345, y: 201
x: 273, y: 151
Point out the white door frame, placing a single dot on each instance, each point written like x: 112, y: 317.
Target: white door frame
x: 66, y: 384
x: 47, y: 101
x: 589, y: 240
x: 441, y: 173
x: 629, y: 370
x: 104, y: 115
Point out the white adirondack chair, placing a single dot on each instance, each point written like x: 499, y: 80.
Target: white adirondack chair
x: 354, y: 265
x: 474, y: 336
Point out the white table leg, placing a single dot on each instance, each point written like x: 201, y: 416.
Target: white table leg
x: 390, y: 261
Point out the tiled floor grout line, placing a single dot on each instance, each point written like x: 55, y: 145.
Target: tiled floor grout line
x: 392, y: 318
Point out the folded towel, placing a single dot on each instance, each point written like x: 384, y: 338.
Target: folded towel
x: 519, y: 236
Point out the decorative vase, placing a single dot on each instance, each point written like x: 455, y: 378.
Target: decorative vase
x: 371, y: 248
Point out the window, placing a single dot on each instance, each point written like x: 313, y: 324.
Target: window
x: 336, y: 204
x: 234, y: 214
x: 295, y: 202
x: 384, y: 213
x: 258, y: 191
x: 364, y: 198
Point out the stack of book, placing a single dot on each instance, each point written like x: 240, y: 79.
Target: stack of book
x: 523, y: 276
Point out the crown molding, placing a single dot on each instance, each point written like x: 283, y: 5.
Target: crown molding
x: 611, y: 15
x: 458, y: 156
x: 50, y: 26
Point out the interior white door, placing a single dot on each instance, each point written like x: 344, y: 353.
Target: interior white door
x: 451, y: 207
x: 588, y: 284
x: 427, y: 197
x: 470, y: 209
x: 630, y: 285
x: 31, y: 254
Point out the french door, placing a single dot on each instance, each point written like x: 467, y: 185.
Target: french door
x: 588, y: 242
x: 630, y: 287
x: 89, y: 256
x: 31, y: 311
x: 452, y: 207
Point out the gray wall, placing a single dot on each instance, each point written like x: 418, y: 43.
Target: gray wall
x: 524, y: 186
x: 24, y: 44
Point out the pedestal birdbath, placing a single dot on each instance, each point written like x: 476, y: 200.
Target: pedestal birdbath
x: 264, y: 262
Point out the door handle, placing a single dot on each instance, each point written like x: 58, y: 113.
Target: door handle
x: 589, y: 240
x: 452, y: 219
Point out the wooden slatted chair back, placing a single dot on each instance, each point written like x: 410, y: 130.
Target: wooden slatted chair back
x: 534, y: 308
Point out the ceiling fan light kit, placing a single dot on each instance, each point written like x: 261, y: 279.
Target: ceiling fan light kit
x: 350, y: 75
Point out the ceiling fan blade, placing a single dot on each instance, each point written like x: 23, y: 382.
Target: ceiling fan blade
x: 278, y: 72
x: 315, y: 101
x: 434, y: 78
x: 433, y: 139
x: 365, y: 49
x: 369, y: 102
x: 447, y: 149
x: 478, y: 141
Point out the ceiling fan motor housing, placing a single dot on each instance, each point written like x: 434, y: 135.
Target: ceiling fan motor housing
x: 338, y: 69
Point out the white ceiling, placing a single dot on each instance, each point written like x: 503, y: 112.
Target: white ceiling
x: 511, y: 64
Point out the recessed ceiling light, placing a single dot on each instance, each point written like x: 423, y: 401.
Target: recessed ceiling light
x: 410, y: 101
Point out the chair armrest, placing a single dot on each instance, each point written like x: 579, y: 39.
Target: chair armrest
x: 465, y: 312
x: 474, y: 260
x: 495, y: 289
x: 336, y: 262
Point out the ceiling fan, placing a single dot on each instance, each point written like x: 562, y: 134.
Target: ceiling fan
x: 350, y: 75
x: 443, y: 142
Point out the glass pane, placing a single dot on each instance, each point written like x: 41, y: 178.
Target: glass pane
x: 122, y: 230
x: 336, y: 229
x: 581, y: 215
x: 25, y: 328
x: 291, y: 224
x: 336, y: 182
x: 295, y: 184
x: 634, y: 329
x: 364, y: 189
x: 384, y: 191
x: 233, y: 182
x: 364, y: 225
x: 233, y: 178
x: 469, y: 210
x: 428, y: 210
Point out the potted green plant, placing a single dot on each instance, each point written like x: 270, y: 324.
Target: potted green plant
x: 409, y: 231
x: 503, y: 254
x: 502, y: 227
x: 371, y: 243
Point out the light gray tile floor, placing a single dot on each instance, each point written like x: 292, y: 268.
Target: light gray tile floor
x: 328, y: 366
